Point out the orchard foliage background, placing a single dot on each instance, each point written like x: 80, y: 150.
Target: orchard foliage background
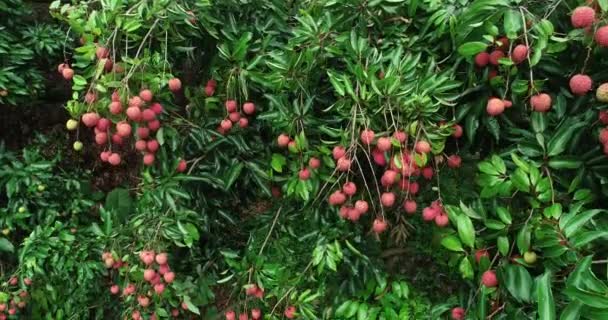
x: 334, y: 159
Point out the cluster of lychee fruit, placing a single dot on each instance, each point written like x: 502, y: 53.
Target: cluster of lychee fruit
x: 234, y: 116
x: 289, y: 313
x: 157, y: 276
x: 498, y: 51
x: 584, y: 17
x: 103, y: 55
x: 18, y: 298
x: 401, y: 176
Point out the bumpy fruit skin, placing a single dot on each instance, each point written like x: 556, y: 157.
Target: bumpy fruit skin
x: 457, y: 131
x: 458, y: 313
x: 495, y: 107
x: 429, y: 214
x: 489, y: 279
x: 603, y: 116
x: 442, y: 220
x: 504, y: 43
x: 422, y: 147
x: 314, y: 163
x: 249, y: 108
x: 519, y: 54
x: 71, y: 124
x: 114, y: 159
x: 283, y: 140
x: 146, y: 95
x: 379, y: 225
x: 601, y: 36
x: 541, y: 102
x: 77, y: 145
x: 530, y: 257
x: 580, y: 84
x: 230, y: 106
x: 410, y: 206
x: 495, y: 56
x: 349, y: 188
x: 181, y: 167
x: 175, y: 85
x: 115, y: 107
x: 304, y: 174
x: 482, y: 59
x: 481, y: 253
x: 361, y: 206
x: 290, y: 312
x: 384, y: 144
x: 338, y: 152
x: 602, y: 93
x: 582, y: 17
x: 387, y: 199
x: 454, y: 161
x: 343, y: 164
x: 337, y: 198
x: 367, y: 136
x: 67, y: 73
x: 230, y: 315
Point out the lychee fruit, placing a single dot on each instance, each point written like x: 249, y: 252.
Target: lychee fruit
x: 154, y: 125
x: 387, y: 199
x: 152, y: 145
x: 401, y: 136
x: 209, y: 91
x: 495, y: 56
x: 442, y: 220
x: 256, y: 314
x: 580, y: 84
x: 102, y: 52
x: 367, y: 136
x: 495, y: 107
x: 243, y: 122
x: 457, y: 133
x: 410, y: 206
x: 304, y: 174
x: 361, y: 206
x: 489, y: 279
x: 157, y: 108
x: 123, y: 129
x: 90, y: 97
x: 67, y: 73
x: 379, y: 157
x: 427, y: 173
x: 337, y: 198
x: 159, y: 288
x: 290, y: 312
x: 114, y: 159
x: 104, y: 155
x: 136, y: 101
x: 148, y: 115
x: 181, y: 167
x: 71, y: 124
x: 379, y: 225
x: 602, y: 92
x: 146, y: 95
x: 175, y: 85
x: 148, y: 159
x: 169, y: 277
x: 423, y: 147
x: 481, y: 253
x: 541, y: 102
x: 62, y: 66
x: 149, y: 274
x: 349, y: 188
x: 604, y: 136
x: 117, y: 139
x: 458, y: 313
x: 502, y: 43
x: 101, y: 138
x: 508, y: 103
x: 454, y: 161
x: 249, y: 108
x: 77, y: 145
x: 140, y: 145
x: 283, y: 140
x: 582, y: 17
x: 384, y: 144
x: 314, y: 163
x: 115, y: 107
x: 230, y: 106
x: 343, y: 164
x: 482, y: 59
x: 429, y: 214
x: 134, y: 113
x: 115, y: 289
x: 230, y: 315
x: 90, y: 119
x: 601, y: 36
x: 603, y: 116
x: 338, y: 152
x: 103, y: 124
x: 519, y: 54
x: 226, y: 124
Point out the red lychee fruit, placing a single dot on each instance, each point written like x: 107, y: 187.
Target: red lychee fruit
x: 442, y: 220
x: 495, y: 107
x: 226, y: 124
x: 90, y: 97
x: 379, y: 157
x: 102, y: 52
x: 249, y: 108
x: 152, y: 145
x: 115, y: 107
x: 90, y: 119
x: 367, y: 136
x: 604, y: 136
x: 117, y: 139
x: 495, y: 56
x: 454, y: 161
x: 243, y: 316
x: 508, y: 103
x: 123, y: 129
x: 146, y: 95
x: 519, y: 54
x: 148, y: 115
x: 423, y: 147
x: 361, y: 206
x: 458, y: 313
x: 389, y: 177
x: 481, y: 253
x: 148, y: 159
x: 502, y: 43
x: 129, y: 289
x: 489, y: 279
x: 304, y: 174
x: 379, y: 225
x: 349, y: 188
x: 482, y: 59
x: 154, y: 125
x: 457, y: 133
x: 101, y: 138
x: 429, y: 214
x: 256, y: 314
x: 140, y: 145
x: 209, y: 91
x: 67, y: 73
x: 143, y: 301
x: 387, y: 199
x: 337, y: 198
x: 114, y: 159
x: 157, y: 108
x: 338, y: 152
x: 136, y: 101
x: 603, y: 116
x: 541, y: 102
x: 234, y: 116
x: 243, y: 122
x: 62, y: 66
x: 230, y: 106
x: 159, y: 288
x: 169, y: 277
x: 314, y: 163
x: 115, y: 96
x: 230, y: 315
x: 107, y: 64
x: 582, y: 17
x: 580, y: 84
x: 149, y: 274
x: 401, y: 136
x: 283, y: 140
x: 143, y: 132
x: 103, y: 124
x: 181, y: 167
x: 163, y: 268
x: 384, y: 144
x: 290, y: 312
x: 492, y: 74
x: 134, y: 113
x: 105, y: 155
x: 115, y: 289
x: 343, y: 164
x: 175, y: 85
x: 601, y: 37
x: 427, y: 173
x: 410, y: 206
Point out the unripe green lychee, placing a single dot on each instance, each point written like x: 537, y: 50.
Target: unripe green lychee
x: 78, y: 146
x: 602, y: 92
x: 530, y: 257
x: 71, y: 124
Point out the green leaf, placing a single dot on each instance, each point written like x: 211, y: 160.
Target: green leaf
x: 592, y: 299
x: 554, y: 211
x: 465, y: 268
x: 452, y: 243
x: 471, y: 48
x: 6, y: 245
x: 503, y: 245
x: 544, y: 296
x: 512, y: 23
x: 119, y: 201
x: 504, y: 215
x: 575, y: 224
x: 466, y: 231
x: 561, y: 138
x: 191, y: 306
x: 523, y: 239
x: 589, y: 236
x: 518, y: 281
x: 232, y: 174
x: 572, y: 311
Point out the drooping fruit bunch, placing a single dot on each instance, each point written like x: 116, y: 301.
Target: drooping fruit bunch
x: 15, y: 299
x: 234, y: 116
